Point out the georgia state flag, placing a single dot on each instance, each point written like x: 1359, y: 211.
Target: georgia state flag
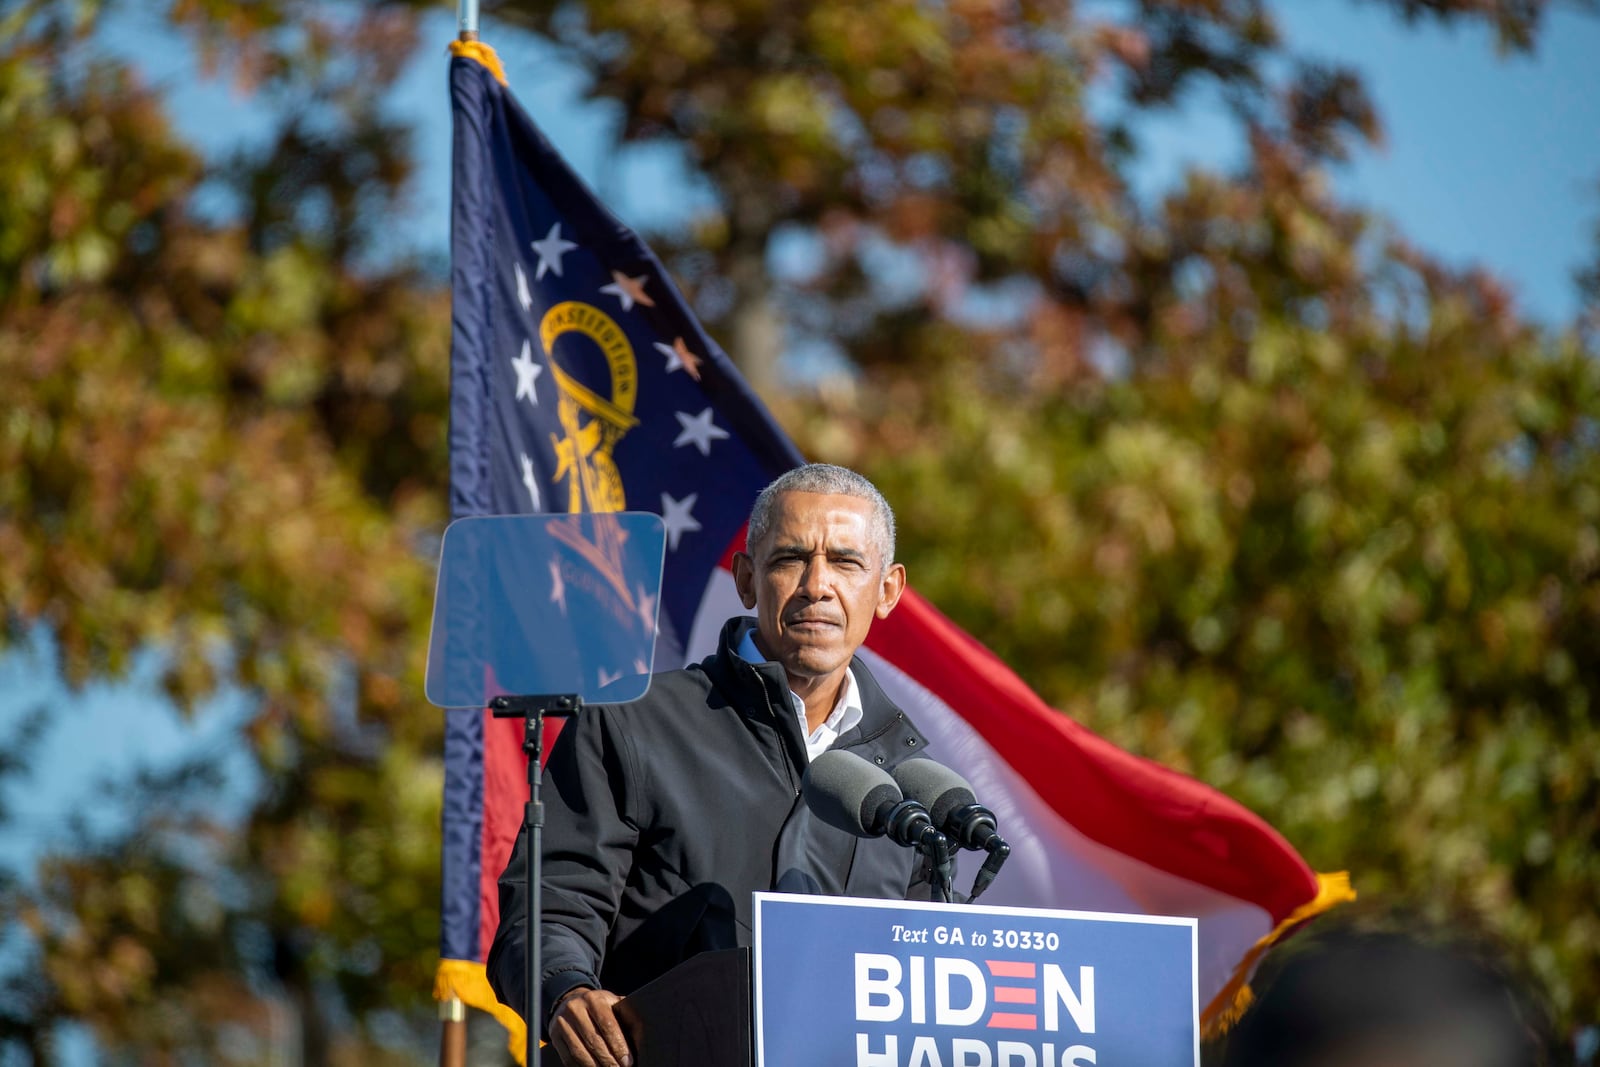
x: 580, y: 381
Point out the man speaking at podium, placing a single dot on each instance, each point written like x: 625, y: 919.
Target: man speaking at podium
x: 666, y: 814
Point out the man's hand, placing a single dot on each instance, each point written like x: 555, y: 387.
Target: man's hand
x: 585, y: 1031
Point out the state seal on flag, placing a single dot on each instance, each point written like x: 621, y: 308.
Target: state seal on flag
x: 592, y: 424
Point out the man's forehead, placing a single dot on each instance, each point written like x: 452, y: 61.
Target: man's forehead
x: 809, y: 515
x: 805, y: 500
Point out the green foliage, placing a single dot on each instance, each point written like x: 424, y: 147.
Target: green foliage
x: 959, y: 131
x: 1351, y: 583
x: 1237, y: 477
x: 225, y: 444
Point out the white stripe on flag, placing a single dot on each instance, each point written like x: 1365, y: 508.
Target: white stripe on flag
x: 1052, y: 864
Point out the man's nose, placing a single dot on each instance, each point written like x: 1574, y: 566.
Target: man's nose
x: 814, y: 580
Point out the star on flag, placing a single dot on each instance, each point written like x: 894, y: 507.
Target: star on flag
x: 698, y: 430
x: 678, y: 517
x: 524, y: 297
x: 628, y: 290
x: 558, y: 587
x: 527, y: 373
x: 680, y: 358
x: 647, y: 609
x: 530, y: 480
x: 550, y: 251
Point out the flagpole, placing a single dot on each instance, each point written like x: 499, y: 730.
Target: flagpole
x: 453, y: 1041
x: 453, y: 1012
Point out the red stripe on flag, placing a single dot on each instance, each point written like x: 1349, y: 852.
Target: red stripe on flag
x: 735, y: 545
x: 1125, y: 802
x: 505, y: 792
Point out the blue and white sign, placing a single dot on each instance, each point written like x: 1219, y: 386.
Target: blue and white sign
x: 870, y: 983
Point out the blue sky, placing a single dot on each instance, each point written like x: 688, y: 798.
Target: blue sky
x: 1488, y: 159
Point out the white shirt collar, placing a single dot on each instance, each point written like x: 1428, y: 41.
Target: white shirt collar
x: 846, y: 713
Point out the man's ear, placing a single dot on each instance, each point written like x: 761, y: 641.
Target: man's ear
x: 894, y: 583
x: 744, y: 578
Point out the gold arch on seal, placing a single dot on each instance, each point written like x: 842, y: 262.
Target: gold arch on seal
x: 591, y: 427
x: 572, y: 316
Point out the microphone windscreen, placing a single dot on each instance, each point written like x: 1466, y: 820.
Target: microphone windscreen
x: 846, y: 791
x: 934, y: 786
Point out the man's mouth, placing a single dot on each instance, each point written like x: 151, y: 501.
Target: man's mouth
x: 813, y: 624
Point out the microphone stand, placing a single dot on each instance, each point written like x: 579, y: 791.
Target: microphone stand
x: 973, y: 826
x: 532, y: 710
x: 940, y: 853
x: 908, y: 824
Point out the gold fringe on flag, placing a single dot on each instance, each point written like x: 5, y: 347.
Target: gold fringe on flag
x: 466, y: 981
x: 1232, y: 999
x: 483, y: 54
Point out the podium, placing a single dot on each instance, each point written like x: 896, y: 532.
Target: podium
x: 870, y: 983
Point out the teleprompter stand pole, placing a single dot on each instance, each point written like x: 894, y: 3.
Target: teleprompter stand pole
x: 532, y: 710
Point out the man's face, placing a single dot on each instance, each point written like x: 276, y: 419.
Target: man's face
x: 816, y: 582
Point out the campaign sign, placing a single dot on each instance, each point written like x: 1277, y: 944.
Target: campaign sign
x: 870, y: 983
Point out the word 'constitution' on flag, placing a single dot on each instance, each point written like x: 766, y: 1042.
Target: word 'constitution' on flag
x: 580, y: 381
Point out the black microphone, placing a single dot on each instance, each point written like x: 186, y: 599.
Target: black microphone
x: 955, y: 809
x: 950, y: 802
x: 847, y: 792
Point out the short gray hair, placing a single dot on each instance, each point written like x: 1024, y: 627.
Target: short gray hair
x: 825, y: 478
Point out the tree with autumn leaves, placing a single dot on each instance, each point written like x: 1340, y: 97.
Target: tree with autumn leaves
x: 1236, y: 475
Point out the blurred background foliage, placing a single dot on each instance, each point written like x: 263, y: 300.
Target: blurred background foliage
x: 1234, y: 475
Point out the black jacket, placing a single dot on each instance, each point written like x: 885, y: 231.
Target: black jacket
x: 663, y: 816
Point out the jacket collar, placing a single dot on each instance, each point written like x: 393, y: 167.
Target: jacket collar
x: 764, y: 687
